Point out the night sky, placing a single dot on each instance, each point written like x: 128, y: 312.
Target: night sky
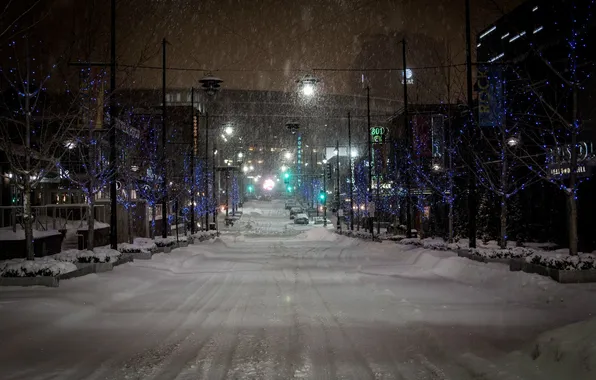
x: 262, y: 44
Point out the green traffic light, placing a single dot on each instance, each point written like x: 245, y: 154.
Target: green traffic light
x: 286, y: 175
x: 289, y: 188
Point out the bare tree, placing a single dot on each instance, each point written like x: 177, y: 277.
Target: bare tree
x: 33, y: 130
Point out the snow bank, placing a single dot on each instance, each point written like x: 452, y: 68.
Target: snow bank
x: 319, y: 234
x: 568, y: 352
x: 39, y: 267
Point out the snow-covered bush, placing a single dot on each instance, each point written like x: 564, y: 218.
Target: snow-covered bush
x: 140, y: 245
x: 205, y: 235
x: 98, y: 255
x: 498, y: 253
x: 36, y: 268
x: 563, y: 261
x: 411, y: 241
x: 169, y: 241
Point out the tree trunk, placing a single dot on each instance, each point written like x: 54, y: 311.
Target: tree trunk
x: 129, y: 216
x: 450, y: 205
x: 572, y: 212
x: 27, y: 220
x: 503, y: 229
x: 153, y: 212
x: 90, y: 222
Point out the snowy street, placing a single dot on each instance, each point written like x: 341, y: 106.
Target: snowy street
x: 271, y: 300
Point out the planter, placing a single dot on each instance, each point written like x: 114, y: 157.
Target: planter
x: 82, y: 271
x: 516, y: 265
x: 96, y: 267
x: 142, y: 255
x: 183, y: 244
x: 125, y: 258
x: 30, y: 281
x: 167, y: 249
x: 559, y: 275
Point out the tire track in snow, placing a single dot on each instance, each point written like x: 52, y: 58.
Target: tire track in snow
x: 360, y: 368
x: 177, y: 365
x: 141, y: 362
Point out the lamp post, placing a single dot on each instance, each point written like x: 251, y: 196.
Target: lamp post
x: 215, y: 192
x: 193, y: 152
x: 211, y: 86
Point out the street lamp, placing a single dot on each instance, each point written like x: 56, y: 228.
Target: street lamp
x: 240, y: 155
x: 288, y: 155
x: 513, y: 141
x: 308, y: 85
x: 229, y: 130
x: 211, y: 85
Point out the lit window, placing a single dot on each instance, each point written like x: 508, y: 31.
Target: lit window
x: 487, y: 32
x: 538, y: 29
x: 535, y: 9
x: 504, y: 36
x: 518, y: 36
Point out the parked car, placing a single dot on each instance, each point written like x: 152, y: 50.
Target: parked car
x: 301, y: 219
x: 290, y: 204
x: 295, y: 211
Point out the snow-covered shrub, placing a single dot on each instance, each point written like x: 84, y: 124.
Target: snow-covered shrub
x: 36, y: 268
x: 169, y: 241
x: 140, y: 245
x: 205, y: 235
x: 98, y: 255
x: 498, y: 253
x: 563, y: 261
x: 411, y: 241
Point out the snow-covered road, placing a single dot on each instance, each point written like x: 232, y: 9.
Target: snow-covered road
x: 271, y: 301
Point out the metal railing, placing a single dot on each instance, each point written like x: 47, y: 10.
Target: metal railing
x: 51, y: 216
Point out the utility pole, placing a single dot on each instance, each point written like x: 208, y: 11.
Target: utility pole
x: 207, y: 172
x: 337, y: 191
x: 192, y: 160
x: 369, y: 151
x: 213, y: 188
x: 164, y: 202
x: 377, y: 203
x: 471, y: 134
x: 409, y: 147
x: 113, y: 191
x: 351, y: 172
x: 325, y: 190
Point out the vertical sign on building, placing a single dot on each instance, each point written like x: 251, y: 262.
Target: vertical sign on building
x: 299, y: 160
x: 490, y: 96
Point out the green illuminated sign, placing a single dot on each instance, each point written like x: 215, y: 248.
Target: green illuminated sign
x: 377, y: 134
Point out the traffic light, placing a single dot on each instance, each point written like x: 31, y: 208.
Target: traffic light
x: 251, y: 188
x: 322, y: 196
x: 289, y: 188
x: 286, y: 177
x: 329, y: 171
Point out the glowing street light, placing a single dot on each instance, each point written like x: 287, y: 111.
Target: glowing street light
x: 288, y: 155
x: 240, y: 155
x: 512, y: 141
x: 229, y: 130
x: 284, y: 168
x: 308, y: 85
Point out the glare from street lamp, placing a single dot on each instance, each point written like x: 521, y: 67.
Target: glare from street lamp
x: 245, y: 169
x: 308, y: 89
x: 228, y: 130
x: 288, y: 155
x: 284, y: 168
x: 251, y: 168
x: 354, y: 153
x: 512, y: 141
x: 240, y: 155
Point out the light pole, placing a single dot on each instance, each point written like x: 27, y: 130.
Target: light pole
x: 211, y: 86
x: 192, y: 160
x: 215, y: 192
x: 164, y: 131
x: 337, y: 192
x: 351, y: 172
